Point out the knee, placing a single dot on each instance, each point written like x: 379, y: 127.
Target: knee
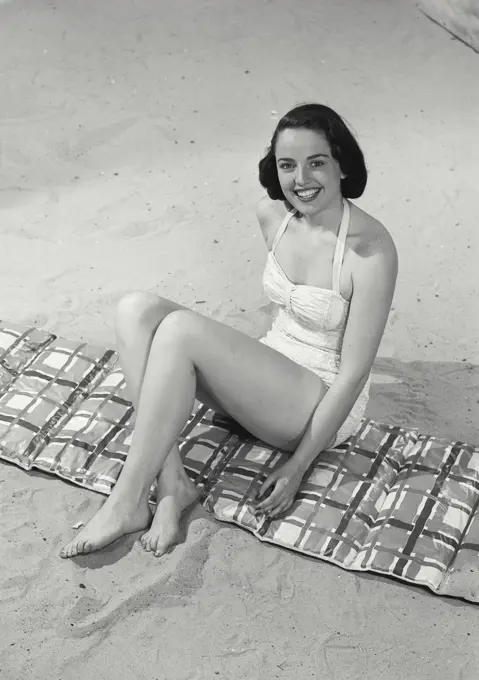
x: 178, y: 327
x: 137, y: 307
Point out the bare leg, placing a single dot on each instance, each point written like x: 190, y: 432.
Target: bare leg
x: 138, y: 316
x: 175, y: 492
x: 270, y: 395
x: 126, y: 510
x: 137, y: 319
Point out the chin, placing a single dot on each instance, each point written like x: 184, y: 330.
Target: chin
x: 314, y: 206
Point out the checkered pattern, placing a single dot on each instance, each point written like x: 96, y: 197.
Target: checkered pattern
x: 389, y: 500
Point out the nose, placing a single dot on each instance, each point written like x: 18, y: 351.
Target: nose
x: 301, y: 175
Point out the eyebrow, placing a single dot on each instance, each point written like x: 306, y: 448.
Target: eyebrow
x: 316, y: 155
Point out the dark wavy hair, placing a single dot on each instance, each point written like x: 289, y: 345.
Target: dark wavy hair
x: 343, y: 145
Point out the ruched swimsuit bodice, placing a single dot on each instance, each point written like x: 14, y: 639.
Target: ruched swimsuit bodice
x: 319, y: 311
x: 310, y: 323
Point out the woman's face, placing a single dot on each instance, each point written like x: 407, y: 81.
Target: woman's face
x: 308, y: 174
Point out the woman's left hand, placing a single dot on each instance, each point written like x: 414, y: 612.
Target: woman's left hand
x: 284, y: 484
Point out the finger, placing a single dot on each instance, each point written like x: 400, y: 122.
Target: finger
x: 270, y: 493
x: 282, y: 507
x: 273, y: 500
x: 267, y: 484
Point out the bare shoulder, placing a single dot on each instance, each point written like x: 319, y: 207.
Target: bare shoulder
x: 270, y: 215
x: 371, y: 241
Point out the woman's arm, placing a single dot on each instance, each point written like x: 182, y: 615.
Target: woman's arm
x: 374, y: 279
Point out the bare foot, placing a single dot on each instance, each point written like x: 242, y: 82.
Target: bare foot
x: 164, y: 529
x: 113, y: 520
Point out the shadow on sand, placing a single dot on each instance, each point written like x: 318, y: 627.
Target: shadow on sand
x: 439, y: 398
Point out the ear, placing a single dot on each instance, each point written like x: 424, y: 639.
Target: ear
x: 342, y: 175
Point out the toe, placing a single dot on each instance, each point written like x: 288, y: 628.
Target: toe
x: 145, y: 541
x: 162, y: 547
x: 66, y: 551
x: 85, y: 548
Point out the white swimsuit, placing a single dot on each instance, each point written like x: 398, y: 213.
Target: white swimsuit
x: 310, y: 323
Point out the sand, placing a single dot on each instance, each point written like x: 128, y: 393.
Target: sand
x: 130, y: 136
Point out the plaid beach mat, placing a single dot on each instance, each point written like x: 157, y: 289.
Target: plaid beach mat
x: 389, y: 500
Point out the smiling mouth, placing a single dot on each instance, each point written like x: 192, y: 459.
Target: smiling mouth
x: 306, y: 195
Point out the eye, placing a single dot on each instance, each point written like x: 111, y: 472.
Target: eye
x: 317, y: 164
x: 285, y: 166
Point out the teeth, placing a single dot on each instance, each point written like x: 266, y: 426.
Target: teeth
x: 307, y: 193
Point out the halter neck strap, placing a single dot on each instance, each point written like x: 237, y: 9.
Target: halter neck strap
x: 340, y: 244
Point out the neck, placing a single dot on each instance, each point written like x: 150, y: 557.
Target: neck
x: 328, y: 219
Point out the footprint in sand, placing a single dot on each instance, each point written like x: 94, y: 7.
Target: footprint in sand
x: 111, y: 219
x: 135, y: 230
x: 15, y: 587
x: 343, y: 656
x: 165, y: 583
x: 84, y: 608
x: 89, y: 139
x: 172, y: 219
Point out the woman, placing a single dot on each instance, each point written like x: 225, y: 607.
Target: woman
x: 331, y: 270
